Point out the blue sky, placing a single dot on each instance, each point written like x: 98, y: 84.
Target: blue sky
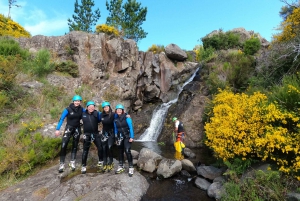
x: 182, y: 22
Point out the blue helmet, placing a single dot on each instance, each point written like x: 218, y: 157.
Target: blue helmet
x: 105, y: 103
x: 120, y: 106
x: 77, y: 98
x: 90, y: 103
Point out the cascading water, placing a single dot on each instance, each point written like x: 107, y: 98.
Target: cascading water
x: 159, y: 114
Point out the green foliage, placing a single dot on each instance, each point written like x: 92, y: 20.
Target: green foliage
x: 251, y: 46
x: 9, y: 47
x: 41, y: 65
x: 68, y: 66
x: 129, y: 18
x: 205, y: 55
x: 261, y: 186
x: 84, y: 18
x: 287, y: 94
x: 233, y: 70
x: 238, y: 165
x: 3, y: 99
x: 109, y: 30
x: 8, y: 72
x: 221, y: 41
x: 156, y: 49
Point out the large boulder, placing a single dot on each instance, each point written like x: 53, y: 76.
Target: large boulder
x: 173, y: 51
x: 168, y: 167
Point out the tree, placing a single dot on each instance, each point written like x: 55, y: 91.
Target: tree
x: 288, y: 8
x: 84, y: 18
x: 10, y: 4
x: 128, y: 18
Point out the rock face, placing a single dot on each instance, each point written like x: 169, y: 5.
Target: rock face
x: 115, y: 71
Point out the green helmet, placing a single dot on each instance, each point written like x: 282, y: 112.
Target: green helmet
x: 105, y: 103
x: 120, y: 106
x: 77, y: 98
x: 174, y: 119
x: 90, y: 103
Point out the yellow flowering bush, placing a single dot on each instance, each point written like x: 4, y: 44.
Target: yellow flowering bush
x: 248, y: 126
x: 110, y: 30
x: 10, y: 28
x: 291, y: 27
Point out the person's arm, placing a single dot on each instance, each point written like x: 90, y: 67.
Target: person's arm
x: 99, y: 116
x: 131, y: 132
x: 61, y: 120
x: 176, y: 127
x: 116, y: 129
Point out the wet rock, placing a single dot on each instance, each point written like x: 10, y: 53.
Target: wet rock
x: 188, y: 165
x: 185, y: 173
x: 146, y: 164
x: 215, y: 190
x: 293, y: 197
x: 202, y: 183
x: 168, y: 167
x: 49, y: 185
x: 189, y: 153
x: 209, y: 172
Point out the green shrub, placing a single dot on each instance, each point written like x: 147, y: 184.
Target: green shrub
x: 41, y: 65
x: 156, y: 49
x: 9, y: 47
x: 9, y: 66
x: 251, y: 46
x: 69, y: 67
x: 261, y: 186
x: 205, y: 55
x: 221, y: 41
x: 287, y: 94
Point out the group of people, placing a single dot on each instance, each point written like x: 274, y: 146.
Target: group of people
x: 117, y: 129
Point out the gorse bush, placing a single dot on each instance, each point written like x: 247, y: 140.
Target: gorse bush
x: 221, y: 41
x: 291, y: 27
x: 11, y: 28
x: 248, y: 126
x: 110, y: 30
x: 156, y: 49
x: 251, y: 46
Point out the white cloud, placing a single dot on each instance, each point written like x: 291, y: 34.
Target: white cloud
x: 51, y: 27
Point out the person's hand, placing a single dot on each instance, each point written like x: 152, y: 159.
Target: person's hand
x: 130, y: 140
x: 57, y: 133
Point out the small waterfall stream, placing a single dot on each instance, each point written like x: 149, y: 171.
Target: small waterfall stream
x: 159, y: 114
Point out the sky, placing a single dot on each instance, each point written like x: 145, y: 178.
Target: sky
x: 181, y: 22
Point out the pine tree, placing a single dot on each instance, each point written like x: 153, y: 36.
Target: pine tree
x: 84, y: 18
x: 127, y: 18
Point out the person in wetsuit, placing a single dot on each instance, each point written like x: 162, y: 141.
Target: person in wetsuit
x: 108, y: 137
x: 73, y: 114
x: 90, y: 119
x: 124, y: 135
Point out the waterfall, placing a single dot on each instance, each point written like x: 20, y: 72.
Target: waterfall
x: 159, y: 114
